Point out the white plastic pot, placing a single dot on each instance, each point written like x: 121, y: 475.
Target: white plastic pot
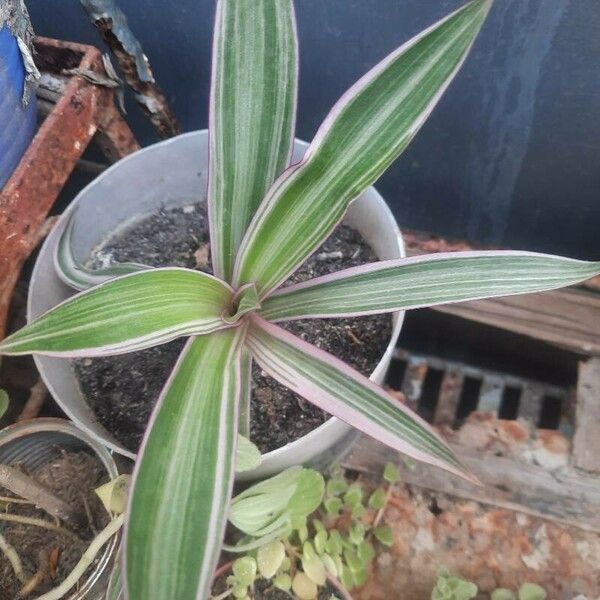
x: 174, y: 173
x: 36, y: 442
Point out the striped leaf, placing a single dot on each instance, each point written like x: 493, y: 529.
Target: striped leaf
x: 366, y: 130
x: 246, y: 392
x: 184, y: 475
x: 338, y: 389
x: 252, y: 114
x: 114, y: 590
x: 425, y: 281
x: 125, y: 314
x: 78, y: 276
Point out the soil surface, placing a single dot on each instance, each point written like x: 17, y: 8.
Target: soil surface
x: 48, y: 555
x: 264, y: 590
x: 122, y: 390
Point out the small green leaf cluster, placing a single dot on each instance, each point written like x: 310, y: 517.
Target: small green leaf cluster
x: 450, y: 587
x: 306, y: 532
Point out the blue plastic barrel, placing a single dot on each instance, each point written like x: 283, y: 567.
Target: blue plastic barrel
x: 17, y: 122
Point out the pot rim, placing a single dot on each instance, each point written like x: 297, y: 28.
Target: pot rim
x: 38, y: 425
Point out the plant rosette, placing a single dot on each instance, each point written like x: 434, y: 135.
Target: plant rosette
x: 266, y: 218
x: 94, y: 216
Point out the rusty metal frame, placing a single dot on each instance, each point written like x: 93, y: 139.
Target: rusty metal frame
x: 83, y: 111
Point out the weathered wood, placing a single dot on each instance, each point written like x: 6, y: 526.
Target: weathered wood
x: 449, y: 398
x: 530, y: 403
x: 567, y: 318
x: 586, y: 443
x: 563, y: 494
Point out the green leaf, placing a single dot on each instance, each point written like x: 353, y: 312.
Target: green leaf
x: 531, y: 591
x: 358, y: 511
x: 114, y: 589
x: 312, y: 564
x: 357, y: 533
x: 247, y: 455
x: 78, y: 276
x: 308, y: 494
x: 114, y: 494
x: 384, y: 534
x: 320, y: 541
x: 503, y: 594
x: 391, y: 473
x: 244, y: 570
x: 333, y: 386
x: 245, y: 392
x: 4, y: 402
x: 184, y: 474
x: 429, y: 280
x: 354, y: 495
x: 269, y: 558
x: 364, y: 133
x: 377, y: 499
x: 365, y: 552
x: 333, y: 506
x: 126, y: 314
x: 252, y: 114
x: 260, y: 509
x: 244, y: 301
x: 304, y: 587
x: 330, y: 565
x: 283, y: 581
x: 334, y: 543
x: 336, y: 486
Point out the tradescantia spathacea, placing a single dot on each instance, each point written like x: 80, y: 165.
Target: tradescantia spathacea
x: 266, y: 218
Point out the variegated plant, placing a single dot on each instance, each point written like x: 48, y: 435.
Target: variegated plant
x: 266, y: 218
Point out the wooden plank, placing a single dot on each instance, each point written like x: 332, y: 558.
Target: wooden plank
x: 490, y: 395
x: 449, y: 399
x: 586, y: 442
x: 567, y: 318
x: 562, y: 494
x: 530, y: 403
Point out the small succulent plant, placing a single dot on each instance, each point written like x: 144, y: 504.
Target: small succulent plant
x: 451, y: 587
x: 302, y: 532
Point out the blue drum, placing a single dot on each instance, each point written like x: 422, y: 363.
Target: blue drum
x: 17, y: 122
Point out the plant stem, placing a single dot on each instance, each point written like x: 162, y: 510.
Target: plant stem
x: 37, y: 523
x: 26, y: 487
x: 86, y: 559
x: 381, y: 511
x: 10, y: 500
x: 13, y: 558
x: 37, y: 578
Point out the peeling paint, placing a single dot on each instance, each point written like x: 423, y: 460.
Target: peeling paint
x: 108, y: 9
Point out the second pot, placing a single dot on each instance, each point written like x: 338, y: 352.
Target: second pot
x: 174, y: 173
x: 35, y: 443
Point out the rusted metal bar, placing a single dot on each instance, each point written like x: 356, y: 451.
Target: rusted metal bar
x: 82, y: 111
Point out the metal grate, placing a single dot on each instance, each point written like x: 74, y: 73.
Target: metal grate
x: 446, y: 392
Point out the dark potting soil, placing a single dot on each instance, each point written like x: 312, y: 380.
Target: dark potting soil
x: 122, y: 390
x: 46, y: 554
x: 264, y: 590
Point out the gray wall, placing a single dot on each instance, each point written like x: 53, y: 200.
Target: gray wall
x: 511, y: 155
